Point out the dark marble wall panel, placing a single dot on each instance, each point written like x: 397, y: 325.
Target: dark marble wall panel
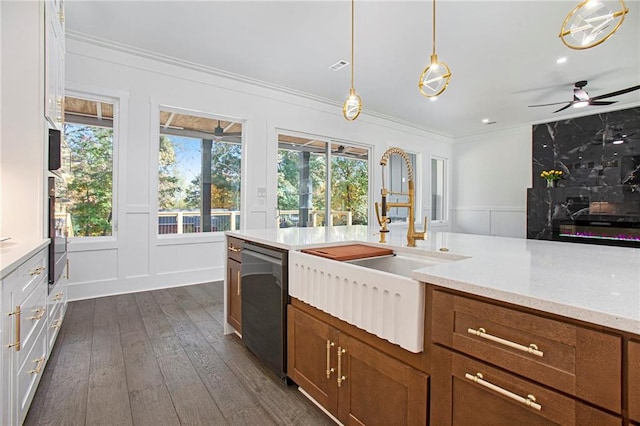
x: 600, y: 157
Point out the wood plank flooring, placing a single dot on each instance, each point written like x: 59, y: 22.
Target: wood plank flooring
x: 160, y: 358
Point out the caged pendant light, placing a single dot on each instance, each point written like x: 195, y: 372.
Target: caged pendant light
x: 435, y: 77
x: 353, y: 104
x: 592, y: 22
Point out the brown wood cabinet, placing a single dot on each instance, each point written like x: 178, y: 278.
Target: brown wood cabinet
x: 634, y: 380
x: 470, y: 392
x: 234, y: 284
x: 354, y: 381
x: 575, y: 360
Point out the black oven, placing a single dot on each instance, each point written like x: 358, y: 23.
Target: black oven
x: 265, y: 295
x: 57, y: 232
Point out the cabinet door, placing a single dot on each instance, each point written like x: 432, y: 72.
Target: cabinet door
x: 234, y: 295
x: 634, y: 380
x: 312, y: 357
x: 471, y: 392
x: 377, y: 389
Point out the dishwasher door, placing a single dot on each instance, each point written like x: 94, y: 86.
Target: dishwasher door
x: 265, y: 295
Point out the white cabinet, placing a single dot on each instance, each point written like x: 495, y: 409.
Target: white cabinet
x: 54, y: 63
x: 24, y: 335
x: 56, y: 308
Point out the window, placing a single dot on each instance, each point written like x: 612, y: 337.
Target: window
x: 199, y: 173
x: 88, y: 166
x: 303, y: 179
x: 399, y: 184
x: 437, y: 190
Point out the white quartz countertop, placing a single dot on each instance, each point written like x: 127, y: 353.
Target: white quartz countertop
x: 14, y: 252
x: 592, y: 283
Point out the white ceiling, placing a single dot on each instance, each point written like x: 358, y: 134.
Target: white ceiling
x: 502, y: 54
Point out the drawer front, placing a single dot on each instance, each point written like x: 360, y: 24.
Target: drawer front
x: 31, y: 274
x: 29, y: 375
x: 634, y: 380
x: 483, y: 395
x: 33, y: 317
x: 234, y: 245
x: 573, y: 359
x: 54, y: 324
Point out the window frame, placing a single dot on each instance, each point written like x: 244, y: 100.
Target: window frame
x: 119, y: 101
x: 329, y: 141
x: 188, y: 238
x: 445, y: 187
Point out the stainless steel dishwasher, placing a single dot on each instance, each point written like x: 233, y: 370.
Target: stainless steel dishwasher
x: 265, y: 295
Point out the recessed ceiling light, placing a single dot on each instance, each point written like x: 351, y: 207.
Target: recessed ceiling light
x: 618, y: 142
x: 339, y: 65
x: 561, y: 60
x: 485, y: 120
x: 433, y: 98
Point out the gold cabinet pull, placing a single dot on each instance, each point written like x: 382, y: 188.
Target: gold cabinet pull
x: 39, y: 363
x: 531, y: 349
x: 58, y: 296
x: 57, y: 323
x: 341, y: 378
x: 239, y: 289
x: 39, y: 313
x: 529, y: 401
x: 37, y: 271
x: 17, y: 314
x: 330, y: 370
x: 234, y: 249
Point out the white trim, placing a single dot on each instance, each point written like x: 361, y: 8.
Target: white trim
x: 145, y: 54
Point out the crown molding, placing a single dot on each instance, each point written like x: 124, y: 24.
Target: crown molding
x: 170, y: 60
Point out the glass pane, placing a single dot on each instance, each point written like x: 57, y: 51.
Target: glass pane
x: 349, y: 185
x: 399, y: 183
x: 437, y: 190
x: 88, y: 167
x: 199, y: 174
x: 302, y: 176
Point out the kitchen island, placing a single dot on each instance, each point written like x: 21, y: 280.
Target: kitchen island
x: 524, y: 312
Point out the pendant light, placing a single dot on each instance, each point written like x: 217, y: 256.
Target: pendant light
x: 435, y: 77
x: 353, y: 104
x: 592, y: 22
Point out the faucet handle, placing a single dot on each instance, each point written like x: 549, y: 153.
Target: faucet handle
x: 378, y: 213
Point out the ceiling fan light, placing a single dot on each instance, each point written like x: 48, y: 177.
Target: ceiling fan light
x: 618, y: 142
x: 581, y: 104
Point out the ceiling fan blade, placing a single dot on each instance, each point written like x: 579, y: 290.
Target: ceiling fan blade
x: 564, y: 107
x: 592, y: 102
x: 616, y: 93
x: 555, y: 103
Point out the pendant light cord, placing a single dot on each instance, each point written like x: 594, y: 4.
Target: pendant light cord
x: 352, y: 37
x: 434, y: 26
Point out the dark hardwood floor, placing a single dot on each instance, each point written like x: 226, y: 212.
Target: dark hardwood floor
x: 160, y: 358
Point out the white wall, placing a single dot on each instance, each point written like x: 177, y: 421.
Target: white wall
x: 491, y: 174
x: 135, y: 258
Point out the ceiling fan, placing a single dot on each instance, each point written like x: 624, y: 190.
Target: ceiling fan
x: 581, y: 98
x: 220, y: 135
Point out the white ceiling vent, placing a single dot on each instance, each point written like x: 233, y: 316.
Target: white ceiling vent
x: 339, y: 65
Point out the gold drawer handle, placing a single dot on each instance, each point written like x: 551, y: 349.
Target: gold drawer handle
x: 39, y: 313
x: 37, y: 271
x: 234, y: 249
x: 17, y: 314
x: 57, y: 323
x: 39, y: 363
x: 529, y: 401
x: 341, y: 378
x: 330, y: 370
x: 531, y: 349
x: 58, y: 297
